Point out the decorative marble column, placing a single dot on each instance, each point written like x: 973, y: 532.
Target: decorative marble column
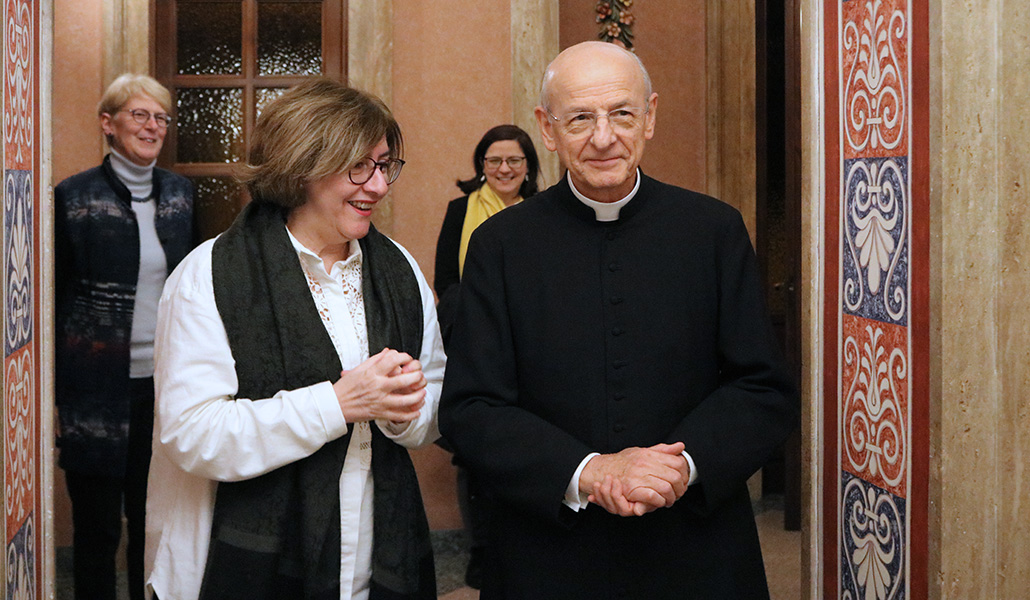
x: 27, y: 260
x: 127, y: 47
x: 370, y: 65
x: 959, y: 74
x: 534, y: 43
x: 873, y: 270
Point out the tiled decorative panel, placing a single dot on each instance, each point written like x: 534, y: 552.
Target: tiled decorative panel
x: 875, y: 482
x: 24, y: 448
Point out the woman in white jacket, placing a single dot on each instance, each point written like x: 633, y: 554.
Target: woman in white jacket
x: 298, y: 357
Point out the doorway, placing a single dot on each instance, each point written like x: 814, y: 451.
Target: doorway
x: 778, y: 213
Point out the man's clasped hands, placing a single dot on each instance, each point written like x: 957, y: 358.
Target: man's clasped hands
x: 636, y: 481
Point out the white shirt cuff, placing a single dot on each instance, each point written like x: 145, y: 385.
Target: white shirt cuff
x: 329, y: 409
x: 575, y: 499
x: 693, y: 469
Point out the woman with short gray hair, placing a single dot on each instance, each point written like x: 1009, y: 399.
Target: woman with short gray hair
x: 120, y: 229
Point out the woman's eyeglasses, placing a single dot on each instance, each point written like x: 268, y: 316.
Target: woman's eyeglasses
x: 142, y: 116
x: 361, y: 172
x: 494, y: 162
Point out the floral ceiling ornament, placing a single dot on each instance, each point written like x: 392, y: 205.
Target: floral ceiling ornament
x: 616, y: 22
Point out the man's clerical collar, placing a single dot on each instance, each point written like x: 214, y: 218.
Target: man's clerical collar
x: 605, y: 211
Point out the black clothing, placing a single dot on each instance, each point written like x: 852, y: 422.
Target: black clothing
x: 106, y: 418
x: 575, y: 336
x: 97, y: 504
x: 446, y: 275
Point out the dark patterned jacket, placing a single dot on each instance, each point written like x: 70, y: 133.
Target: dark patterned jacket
x: 96, y: 269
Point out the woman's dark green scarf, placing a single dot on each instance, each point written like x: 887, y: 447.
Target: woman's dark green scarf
x: 278, y: 535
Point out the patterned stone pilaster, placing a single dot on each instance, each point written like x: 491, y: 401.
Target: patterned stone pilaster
x: 876, y: 458
x: 24, y: 448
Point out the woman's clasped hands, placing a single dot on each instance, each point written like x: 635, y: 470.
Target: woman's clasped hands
x: 389, y: 385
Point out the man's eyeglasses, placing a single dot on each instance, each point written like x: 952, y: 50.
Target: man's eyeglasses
x: 142, y: 116
x: 626, y: 118
x: 494, y: 162
x: 361, y: 172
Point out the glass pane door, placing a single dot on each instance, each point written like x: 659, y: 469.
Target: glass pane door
x: 224, y: 60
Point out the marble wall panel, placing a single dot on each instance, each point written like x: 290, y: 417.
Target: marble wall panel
x: 23, y: 439
x: 874, y: 37
x: 875, y: 412
x: 872, y: 402
x: 873, y: 539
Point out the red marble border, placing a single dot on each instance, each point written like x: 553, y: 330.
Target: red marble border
x: 44, y: 446
x: 919, y: 312
x: 919, y: 308
x: 831, y: 308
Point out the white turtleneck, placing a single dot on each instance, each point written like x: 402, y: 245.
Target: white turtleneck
x: 139, y: 179
x: 153, y: 265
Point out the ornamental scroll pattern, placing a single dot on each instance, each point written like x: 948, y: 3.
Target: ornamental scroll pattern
x: 20, y: 426
x: 875, y: 403
x: 23, y: 437
x: 19, y: 99
x: 18, y: 255
x: 876, y: 231
x: 19, y: 443
x: 21, y: 563
x: 874, y: 541
x: 873, y: 412
x: 875, y: 99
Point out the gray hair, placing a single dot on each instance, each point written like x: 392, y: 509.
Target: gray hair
x: 128, y: 85
x: 545, y: 83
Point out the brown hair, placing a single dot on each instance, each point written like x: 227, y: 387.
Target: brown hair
x: 498, y: 134
x: 315, y: 129
x: 128, y: 85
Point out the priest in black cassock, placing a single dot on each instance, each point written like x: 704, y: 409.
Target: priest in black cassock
x: 613, y: 379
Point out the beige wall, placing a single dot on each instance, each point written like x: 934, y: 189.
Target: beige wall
x: 980, y: 294
x: 77, y: 141
x: 669, y: 37
x: 451, y: 82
